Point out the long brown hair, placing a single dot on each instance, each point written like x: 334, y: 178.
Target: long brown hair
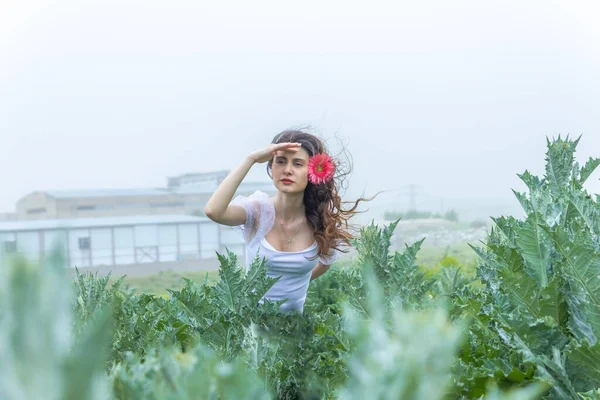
x: 323, y: 204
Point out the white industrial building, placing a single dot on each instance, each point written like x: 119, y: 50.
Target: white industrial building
x: 113, y: 241
x: 151, y: 229
x: 69, y: 204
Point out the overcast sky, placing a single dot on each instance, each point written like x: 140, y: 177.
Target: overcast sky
x: 456, y: 97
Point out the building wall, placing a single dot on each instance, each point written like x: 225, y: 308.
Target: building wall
x: 37, y: 205
x: 11, y: 216
x: 126, y: 245
x: 120, y: 206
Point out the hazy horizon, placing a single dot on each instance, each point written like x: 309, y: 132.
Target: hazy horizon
x: 455, y: 97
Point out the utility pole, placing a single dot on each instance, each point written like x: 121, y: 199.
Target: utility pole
x: 412, y: 197
x: 411, y: 192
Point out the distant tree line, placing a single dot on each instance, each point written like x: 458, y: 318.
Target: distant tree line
x: 450, y: 215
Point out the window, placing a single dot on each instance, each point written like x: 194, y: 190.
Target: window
x: 84, y: 243
x: 40, y: 210
x: 86, y: 207
x: 10, y: 246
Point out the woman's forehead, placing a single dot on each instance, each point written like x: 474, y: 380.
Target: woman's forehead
x: 301, y: 153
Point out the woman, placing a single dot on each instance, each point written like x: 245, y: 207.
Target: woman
x: 298, y: 231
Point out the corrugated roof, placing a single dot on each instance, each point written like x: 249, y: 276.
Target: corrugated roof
x: 83, y: 223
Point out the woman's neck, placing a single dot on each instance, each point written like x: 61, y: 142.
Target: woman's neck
x: 289, y: 207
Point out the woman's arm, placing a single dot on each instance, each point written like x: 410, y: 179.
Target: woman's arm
x: 319, y: 270
x: 216, y: 207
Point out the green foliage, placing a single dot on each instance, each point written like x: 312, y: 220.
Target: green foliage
x: 451, y: 215
x: 44, y: 353
x: 158, y: 283
x: 398, y: 354
x: 401, y: 277
x: 542, y: 275
x: 195, y: 374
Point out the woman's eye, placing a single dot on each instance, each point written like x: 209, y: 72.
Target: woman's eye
x: 283, y: 162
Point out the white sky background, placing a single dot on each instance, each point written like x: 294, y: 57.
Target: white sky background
x: 457, y: 97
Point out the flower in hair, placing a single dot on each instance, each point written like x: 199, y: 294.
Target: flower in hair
x: 320, y: 168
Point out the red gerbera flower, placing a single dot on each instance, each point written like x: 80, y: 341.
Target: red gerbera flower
x: 320, y: 168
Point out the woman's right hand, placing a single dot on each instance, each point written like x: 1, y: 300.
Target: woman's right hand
x: 266, y: 154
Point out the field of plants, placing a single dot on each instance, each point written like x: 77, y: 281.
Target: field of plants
x: 525, y: 325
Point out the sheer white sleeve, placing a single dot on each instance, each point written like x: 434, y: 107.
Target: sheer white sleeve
x: 260, y: 216
x: 331, y: 258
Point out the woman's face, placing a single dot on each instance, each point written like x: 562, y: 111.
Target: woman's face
x: 293, y: 167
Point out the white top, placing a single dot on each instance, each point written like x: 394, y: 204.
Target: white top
x: 294, y: 267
